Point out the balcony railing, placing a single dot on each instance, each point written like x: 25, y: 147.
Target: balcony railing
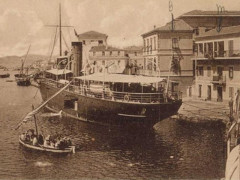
x: 147, y: 72
x: 101, y: 93
x: 219, y: 79
x: 219, y: 54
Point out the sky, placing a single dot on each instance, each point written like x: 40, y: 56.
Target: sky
x: 25, y: 22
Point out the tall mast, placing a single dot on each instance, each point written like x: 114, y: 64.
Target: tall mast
x: 60, y: 30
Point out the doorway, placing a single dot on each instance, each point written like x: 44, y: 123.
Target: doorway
x: 209, y: 93
x: 200, y: 91
x: 219, y: 94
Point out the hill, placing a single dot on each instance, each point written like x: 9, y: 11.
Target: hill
x: 15, y: 61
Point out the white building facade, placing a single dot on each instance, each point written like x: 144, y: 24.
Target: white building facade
x: 217, y: 59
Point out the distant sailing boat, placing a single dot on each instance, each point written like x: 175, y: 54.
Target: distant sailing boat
x: 23, y: 79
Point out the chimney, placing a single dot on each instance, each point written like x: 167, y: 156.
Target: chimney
x: 154, y: 27
x: 77, y: 58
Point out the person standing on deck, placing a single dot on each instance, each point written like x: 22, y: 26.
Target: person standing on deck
x: 236, y: 104
x: 231, y: 110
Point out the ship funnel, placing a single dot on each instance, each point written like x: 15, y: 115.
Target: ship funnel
x: 77, y: 58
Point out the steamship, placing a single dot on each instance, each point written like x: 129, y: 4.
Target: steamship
x: 105, y: 98
x: 109, y: 99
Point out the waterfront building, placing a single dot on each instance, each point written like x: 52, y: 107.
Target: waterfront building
x: 217, y: 59
x: 88, y: 40
x: 165, y: 45
x: 176, y: 40
x: 136, y: 60
x: 110, y: 58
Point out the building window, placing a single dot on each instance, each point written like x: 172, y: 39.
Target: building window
x: 199, y: 90
x: 195, y: 48
x: 196, y: 31
x: 147, y: 46
x: 135, y: 53
x: 110, y: 53
x: 220, y: 71
x: 83, y: 42
x: 174, y: 40
x: 230, y: 72
x: 155, y: 64
x: 154, y: 43
x: 231, y: 92
x: 151, y: 42
x: 118, y: 53
x: 144, y: 45
x: 103, y: 53
x: 100, y: 42
x: 200, y: 48
x: 200, y: 70
x: 208, y: 71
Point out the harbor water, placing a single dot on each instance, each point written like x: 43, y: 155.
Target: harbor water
x: 173, y: 149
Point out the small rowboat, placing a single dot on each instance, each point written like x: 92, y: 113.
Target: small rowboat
x: 70, y: 149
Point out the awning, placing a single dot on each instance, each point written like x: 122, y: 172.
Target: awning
x: 123, y: 78
x: 59, y: 71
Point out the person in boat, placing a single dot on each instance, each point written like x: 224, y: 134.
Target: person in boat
x: 23, y: 136
x: 40, y: 139
x: 35, y: 141
x: 47, y: 141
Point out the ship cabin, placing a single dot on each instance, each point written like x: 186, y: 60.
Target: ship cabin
x: 58, y: 74
x: 116, y: 87
x: 127, y: 88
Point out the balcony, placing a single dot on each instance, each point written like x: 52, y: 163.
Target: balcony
x: 229, y: 54
x: 147, y: 72
x: 220, y: 80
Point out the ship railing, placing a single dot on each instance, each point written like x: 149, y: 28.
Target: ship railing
x: 119, y: 96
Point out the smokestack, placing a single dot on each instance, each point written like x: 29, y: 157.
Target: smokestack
x: 77, y: 58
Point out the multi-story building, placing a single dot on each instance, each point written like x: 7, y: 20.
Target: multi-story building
x: 136, y: 61
x: 162, y: 45
x: 90, y: 39
x: 217, y: 59
x: 168, y: 44
x: 106, y: 57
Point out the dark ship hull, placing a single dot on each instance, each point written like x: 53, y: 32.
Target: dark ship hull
x: 107, y: 111
x: 4, y: 75
x: 22, y: 80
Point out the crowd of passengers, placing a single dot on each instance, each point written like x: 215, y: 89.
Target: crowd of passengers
x: 57, y: 142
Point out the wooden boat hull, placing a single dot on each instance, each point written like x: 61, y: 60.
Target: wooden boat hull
x: 22, y: 80
x: 109, y: 112
x: 4, y: 75
x: 45, y: 149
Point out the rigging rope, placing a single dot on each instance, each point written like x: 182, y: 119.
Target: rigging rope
x: 55, y: 40
x: 65, y: 42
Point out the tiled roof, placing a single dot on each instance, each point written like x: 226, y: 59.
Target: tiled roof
x: 224, y: 31
x: 179, y: 25
x: 210, y: 13
x: 134, y: 48
x: 104, y: 48
x: 92, y: 35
